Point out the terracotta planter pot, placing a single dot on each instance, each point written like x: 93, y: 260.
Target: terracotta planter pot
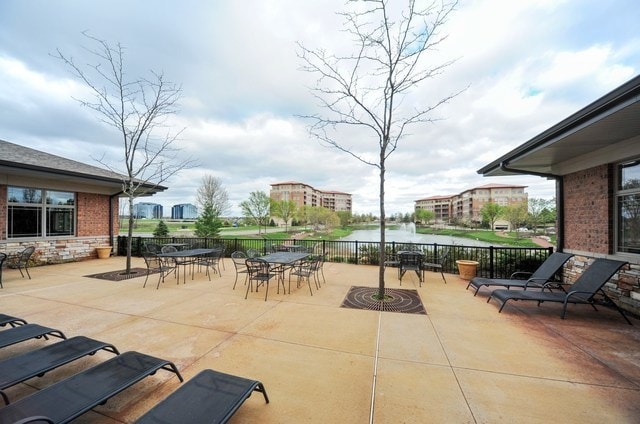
x: 103, y: 252
x: 467, y: 269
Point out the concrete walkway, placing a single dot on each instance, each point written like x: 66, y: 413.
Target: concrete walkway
x: 462, y: 362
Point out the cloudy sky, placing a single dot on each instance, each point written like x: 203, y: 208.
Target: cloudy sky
x: 527, y: 64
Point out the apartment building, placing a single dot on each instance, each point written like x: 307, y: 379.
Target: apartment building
x: 305, y: 195
x: 466, y: 206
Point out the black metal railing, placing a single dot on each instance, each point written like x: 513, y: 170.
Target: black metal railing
x: 494, y: 261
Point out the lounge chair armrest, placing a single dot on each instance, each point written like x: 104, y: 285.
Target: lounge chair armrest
x: 520, y: 275
x: 34, y: 419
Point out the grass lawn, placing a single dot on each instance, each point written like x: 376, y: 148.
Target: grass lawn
x: 487, y: 236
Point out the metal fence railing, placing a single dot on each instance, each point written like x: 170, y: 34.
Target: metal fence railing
x: 494, y: 261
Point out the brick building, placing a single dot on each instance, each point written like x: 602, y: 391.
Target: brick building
x: 305, y: 195
x: 63, y: 207
x: 466, y: 206
x: 594, y: 157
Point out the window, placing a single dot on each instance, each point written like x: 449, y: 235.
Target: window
x: 628, y: 207
x: 40, y: 213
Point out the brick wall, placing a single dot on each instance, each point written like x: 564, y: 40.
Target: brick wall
x: 93, y: 214
x: 588, y: 207
x: 589, y: 229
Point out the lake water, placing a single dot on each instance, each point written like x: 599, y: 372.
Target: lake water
x: 408, y: 236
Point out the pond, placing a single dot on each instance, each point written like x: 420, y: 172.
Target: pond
x: 408, y: 235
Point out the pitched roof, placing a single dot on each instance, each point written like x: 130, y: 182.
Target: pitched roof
x: 15, y: 159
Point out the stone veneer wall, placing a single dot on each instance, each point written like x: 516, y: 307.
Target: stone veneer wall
x: 58, y: 250
x: 589, y: 232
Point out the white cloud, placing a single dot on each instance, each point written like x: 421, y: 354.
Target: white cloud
x: 528, y: 64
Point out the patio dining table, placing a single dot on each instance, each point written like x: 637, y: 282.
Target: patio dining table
x: 184, y: 254
x: 284, y: 260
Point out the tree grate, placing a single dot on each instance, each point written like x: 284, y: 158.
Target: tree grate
x: 121, y: 274
x: 396, y: 300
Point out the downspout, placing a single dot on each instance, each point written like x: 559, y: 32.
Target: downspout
x: 559, y: 197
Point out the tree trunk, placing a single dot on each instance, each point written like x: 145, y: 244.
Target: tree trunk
x: 129, y: 235
x: 381, y: 257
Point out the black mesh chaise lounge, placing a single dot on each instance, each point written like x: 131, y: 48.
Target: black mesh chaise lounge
x: 66, y: 400
x: 12, y: 321
x: 25, y: 332
x: 541, y: 276
x: 583, y: 291
x: 34, y: 363
x: 209, y: 397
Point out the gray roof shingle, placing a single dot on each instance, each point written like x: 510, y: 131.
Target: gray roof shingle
x: 15, y: 156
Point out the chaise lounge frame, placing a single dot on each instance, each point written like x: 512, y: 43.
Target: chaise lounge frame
x: 37, y: 362
x: 540, y: 278
x: 27, y: 331
x: 68, y: 399
x: 209, y: 397
x: 582, y: 291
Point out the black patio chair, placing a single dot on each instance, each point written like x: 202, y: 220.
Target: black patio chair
x: 178, y: 261
x: 157, y: 264
x: 21, y: 260
x: 436, y: 263
x: 253, y: 253
x: 540, y: 278
x: 68, y: 399
x: 392, y: 260
x: 583, y: 291
x: 209, y: 397
x: 152, y: 247
x: 304, y: 270
x: 261, y: 273
x: 239, y: 261
x: 411, y: 261
x: 211, y: 261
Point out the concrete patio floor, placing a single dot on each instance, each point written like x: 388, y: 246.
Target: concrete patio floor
x: 462, y: 362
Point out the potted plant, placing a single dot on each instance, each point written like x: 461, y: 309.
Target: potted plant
x: 103, y: 252
x: 467, y: 268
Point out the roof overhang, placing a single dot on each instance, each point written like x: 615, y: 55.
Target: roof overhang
x: 607, y: 130
x: 58, y: 178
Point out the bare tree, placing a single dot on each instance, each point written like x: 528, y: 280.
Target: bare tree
x: 366, y: 89
x: 212, y: 192
x: 138, y: 108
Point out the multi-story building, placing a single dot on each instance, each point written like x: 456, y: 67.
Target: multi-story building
x: 305, y: 195
x: 184, y: 211
x: 466, y: 206
x: 147, y: 210
x: 439, y: 205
